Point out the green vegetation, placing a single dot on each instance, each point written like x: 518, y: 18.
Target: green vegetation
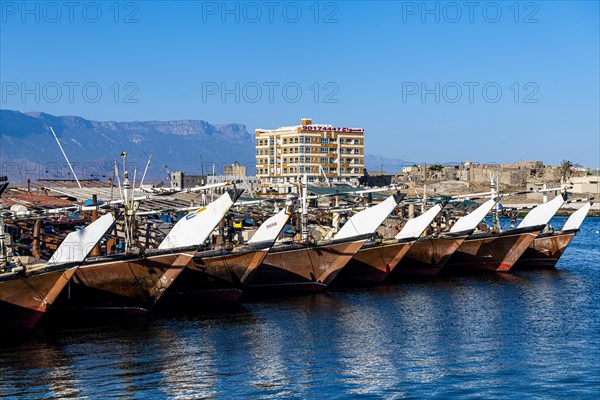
x: 436, y: 167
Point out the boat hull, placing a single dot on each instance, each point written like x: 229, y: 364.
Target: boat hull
x: 217, y: 276
x: 545, y: 250
x: 24, y: 300
x: 373, y: 262
x: 427, y: 256
x: 492, y: 251
x: 131, y: 286
x: 302, y: 268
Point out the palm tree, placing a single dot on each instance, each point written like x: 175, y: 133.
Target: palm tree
x: 565, y: 169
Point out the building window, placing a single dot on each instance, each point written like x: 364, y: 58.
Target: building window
x: 324, y: 150
x: 324, y: 140
x: 307, y: 159
x: 301, y: 149
x: 296, y: 160
x: 284, y: 140
x: 308, y: 169
x: 301, y: 139
x: 301, y: 169
x: 301, y: 159
x: 295, y: 149
x: 341, y: 140
x: 342, y: 170
x: 295, y: 140
x: 325, y: 169
x: 284, y: 150
x: 285, y: 170
x: 323, y: 160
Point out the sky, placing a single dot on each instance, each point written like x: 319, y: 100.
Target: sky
x: 428, y: 81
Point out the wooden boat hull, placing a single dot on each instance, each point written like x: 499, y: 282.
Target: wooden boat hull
x: 302, y: 268
x: 131, y: 285
x: 427, y: 256
x: 545, y: 250
x: 492, y: 251
x: 24, y: 300
x: 217, y: 276
x: 373, y: 262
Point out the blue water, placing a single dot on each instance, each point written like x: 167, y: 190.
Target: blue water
x: 531, y: 334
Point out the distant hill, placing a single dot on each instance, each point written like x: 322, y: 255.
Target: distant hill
x: 28, y: 149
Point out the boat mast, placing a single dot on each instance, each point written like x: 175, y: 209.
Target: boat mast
x: 66, y: 158
x: 145, y: 171
x: 3, y: 252
x: 494, y: 196
x: 304, y: 219
x: 128, y: 201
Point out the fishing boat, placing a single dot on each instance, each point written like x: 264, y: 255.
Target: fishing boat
x: 376, y: 260
x: 133, y: 283
x: 219, y: 274
x: 28, y: 291
x: 311, y: 267
x: 548, y: 247
x: 429, y: 254
x: 499, y: 251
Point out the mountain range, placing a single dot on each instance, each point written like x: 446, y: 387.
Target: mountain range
x: 28, y: 148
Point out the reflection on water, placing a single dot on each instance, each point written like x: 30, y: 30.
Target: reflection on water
x: 529, y: 334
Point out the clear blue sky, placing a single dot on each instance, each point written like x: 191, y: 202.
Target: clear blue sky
x: 357, y: 64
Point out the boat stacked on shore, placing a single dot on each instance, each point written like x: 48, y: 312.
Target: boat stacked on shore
x: 194, y: 265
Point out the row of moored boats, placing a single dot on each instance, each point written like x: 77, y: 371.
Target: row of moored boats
x: 183, y: 269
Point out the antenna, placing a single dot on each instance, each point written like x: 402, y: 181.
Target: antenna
x: 65, y: 155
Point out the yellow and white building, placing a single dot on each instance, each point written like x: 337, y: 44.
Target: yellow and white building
x: 322, y: 152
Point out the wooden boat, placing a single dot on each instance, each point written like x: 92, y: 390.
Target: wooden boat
x: 548, y: 247
x: 306, y: 267
x: 26, y: 292
x: 133, y: 283
x: 431, y: 253
x: 499, y: 251
x: 376, y: 260
x: 219, y: 274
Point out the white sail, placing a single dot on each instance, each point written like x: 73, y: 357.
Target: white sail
x: 270, y: 229
x: 576, y: 219
x: 196, y: 227
x: 471, y: 220
x: 77, y: 245
x: 367, y: 221
x: 414, y: 227
x: 542, y: 214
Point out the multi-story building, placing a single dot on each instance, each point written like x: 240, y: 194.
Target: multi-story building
x: 325, y: 153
